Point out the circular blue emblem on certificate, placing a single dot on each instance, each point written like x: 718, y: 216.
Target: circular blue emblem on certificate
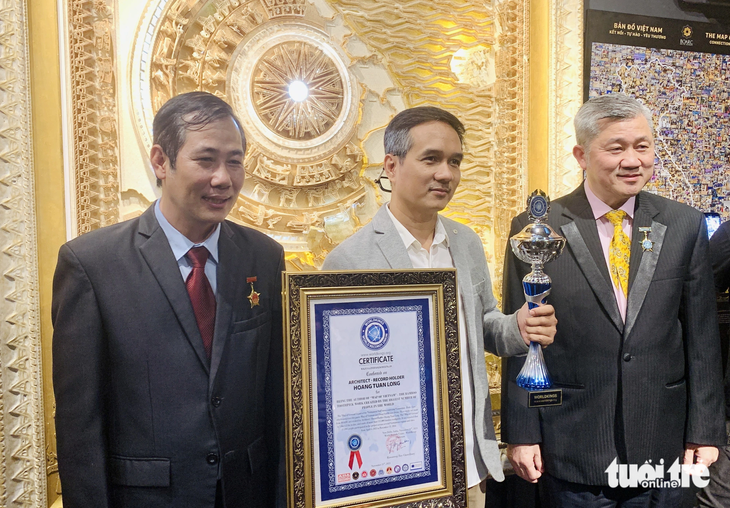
x: 354, y: 443
x: 374, y: 333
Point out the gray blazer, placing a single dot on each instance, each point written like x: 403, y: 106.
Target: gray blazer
x: 378, y: 246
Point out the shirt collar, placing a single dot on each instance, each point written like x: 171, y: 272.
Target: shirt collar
x: 180, y: 244
x: 439, y: 235
x: 600, y: 208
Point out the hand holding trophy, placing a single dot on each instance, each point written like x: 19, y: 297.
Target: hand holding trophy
x: 537, y: 244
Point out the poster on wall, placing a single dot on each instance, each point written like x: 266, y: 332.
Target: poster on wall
x: 681, y: 72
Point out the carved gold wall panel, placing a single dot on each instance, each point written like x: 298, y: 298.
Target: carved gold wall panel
x: 310, y: 164
x: 22, y: 446
x: 92, y: 71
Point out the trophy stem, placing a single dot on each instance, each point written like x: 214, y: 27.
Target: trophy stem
x: 534, y: 374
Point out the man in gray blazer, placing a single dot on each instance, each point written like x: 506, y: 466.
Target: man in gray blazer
x: 637, y: 354
x: 423, y: 149
x: 167, y: 345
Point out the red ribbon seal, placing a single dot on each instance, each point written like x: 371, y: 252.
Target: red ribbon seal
x: 355, y: 455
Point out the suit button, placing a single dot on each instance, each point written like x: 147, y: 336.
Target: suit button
x: 212, y: 459
x: 627, y: 357
x: 216, y: 401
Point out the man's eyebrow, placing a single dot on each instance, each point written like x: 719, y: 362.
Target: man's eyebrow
x: 434, y: 151
x: 211, y: 150
x: 621, y: 139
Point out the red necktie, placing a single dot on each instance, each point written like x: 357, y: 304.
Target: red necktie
x: 201, y: 296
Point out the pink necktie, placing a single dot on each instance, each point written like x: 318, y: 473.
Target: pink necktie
x: 201, y: 296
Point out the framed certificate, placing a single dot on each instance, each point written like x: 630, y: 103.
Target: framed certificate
x: 373, y: 389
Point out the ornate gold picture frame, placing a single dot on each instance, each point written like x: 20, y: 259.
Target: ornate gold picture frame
x: 373, y: 389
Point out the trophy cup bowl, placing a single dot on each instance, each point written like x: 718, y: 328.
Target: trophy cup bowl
x: 537, y: 244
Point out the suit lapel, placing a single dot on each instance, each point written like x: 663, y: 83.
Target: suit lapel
x: 229, y: 283
x: 159, y: 257
x: 462, y: 263
x: 582, y: 239
x: 389, y: 241
x: 643, y: 262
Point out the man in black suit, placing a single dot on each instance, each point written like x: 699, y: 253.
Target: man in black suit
x: 167, y: 345
x: 637, y: 351
x: 717, y: 493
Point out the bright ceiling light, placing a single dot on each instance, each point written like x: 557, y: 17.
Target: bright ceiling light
x: 298, y: 91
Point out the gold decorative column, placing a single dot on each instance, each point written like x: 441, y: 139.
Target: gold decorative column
x: 45, y: 86
x: 555, y: 94
x: 538, y: 131
x: 564, y: 83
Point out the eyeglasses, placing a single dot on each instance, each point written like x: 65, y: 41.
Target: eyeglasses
x: 383, y: 182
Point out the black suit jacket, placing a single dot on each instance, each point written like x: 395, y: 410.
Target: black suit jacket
x: 720, y: 256
x: 142, y: 418
x: 637, y: 391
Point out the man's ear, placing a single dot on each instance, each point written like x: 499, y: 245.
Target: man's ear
x: 160, y: 162
x: 580, y: 155
x: 389, y: 164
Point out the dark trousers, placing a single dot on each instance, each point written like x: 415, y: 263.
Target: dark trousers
x: 556, y: 493
x: 717, y: 493
x: 219, y: 496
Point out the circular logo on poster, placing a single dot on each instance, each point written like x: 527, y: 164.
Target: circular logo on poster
x: 374, y: 333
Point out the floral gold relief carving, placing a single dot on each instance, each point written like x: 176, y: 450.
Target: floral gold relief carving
x: 22, y: 447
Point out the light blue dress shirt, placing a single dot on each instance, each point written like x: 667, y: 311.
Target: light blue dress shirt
x: 180, y: 245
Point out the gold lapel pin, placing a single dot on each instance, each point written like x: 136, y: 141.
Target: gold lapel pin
x: 254, y: 296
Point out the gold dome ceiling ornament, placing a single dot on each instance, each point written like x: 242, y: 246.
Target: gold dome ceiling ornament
x: 297, y: 91
x: 261, y: 71
x: 292, y: 88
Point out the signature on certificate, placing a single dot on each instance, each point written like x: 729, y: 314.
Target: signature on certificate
x: 395, y: 442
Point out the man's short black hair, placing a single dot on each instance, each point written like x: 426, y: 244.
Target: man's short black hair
x: 188, y: 112
x: 398, y: 140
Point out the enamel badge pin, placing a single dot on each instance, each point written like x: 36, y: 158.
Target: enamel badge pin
x: 646, y: 244
x: 254, y: 296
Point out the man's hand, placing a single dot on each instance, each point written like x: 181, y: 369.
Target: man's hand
x: 538, y: 324
x: 526, y: 460
x: 699, y: 454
